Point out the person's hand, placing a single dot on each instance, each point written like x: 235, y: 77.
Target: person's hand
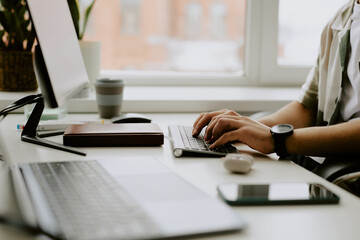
x: 224, y: 129
x: 227, y: 126
x: 205, y: 118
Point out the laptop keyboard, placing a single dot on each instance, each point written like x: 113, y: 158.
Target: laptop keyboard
x: 199, y: 144
x: 89, y: 204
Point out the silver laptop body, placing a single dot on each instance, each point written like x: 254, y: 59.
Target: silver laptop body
x: 67, y: 200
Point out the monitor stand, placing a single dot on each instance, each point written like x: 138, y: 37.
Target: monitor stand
x: 30, y: 134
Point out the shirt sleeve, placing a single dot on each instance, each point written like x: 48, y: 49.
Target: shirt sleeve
x: 309, y: 90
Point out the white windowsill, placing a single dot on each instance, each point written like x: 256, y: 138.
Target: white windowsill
x: 183, y: 99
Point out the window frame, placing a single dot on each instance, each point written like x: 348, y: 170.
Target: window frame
x: 271, y: 71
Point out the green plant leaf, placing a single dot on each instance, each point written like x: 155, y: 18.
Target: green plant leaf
x: 9, y: 4
x: 15, y: 25
x: 86, y: 18
x: 75, y: 14
x: 2, y: 20
x: 5, y: 20
x: 16, y: 30
x: 20, y: 11
x: 19, y: 37
x: 2, y: 33
x: 31, y: 39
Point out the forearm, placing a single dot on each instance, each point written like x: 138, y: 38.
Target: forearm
x: 293, y: 113
x: 337, y: 139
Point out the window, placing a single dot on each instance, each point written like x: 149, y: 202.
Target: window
x: 171, y: 40
x: 292, y: 31
x: 298, y: 33
x: 218, y: 42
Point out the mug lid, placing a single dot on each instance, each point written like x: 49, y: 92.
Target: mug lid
x: 107, y: 82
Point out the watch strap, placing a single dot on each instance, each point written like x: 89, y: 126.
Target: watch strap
x: 279, y: 133
x: 280, y: 145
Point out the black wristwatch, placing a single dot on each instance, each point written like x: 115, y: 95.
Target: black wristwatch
x: 280, y: 132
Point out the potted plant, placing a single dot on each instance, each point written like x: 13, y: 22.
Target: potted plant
x: 89, y: 49
x: 16, y: 42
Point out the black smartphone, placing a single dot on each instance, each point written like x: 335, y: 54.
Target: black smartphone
x: 276, y: 193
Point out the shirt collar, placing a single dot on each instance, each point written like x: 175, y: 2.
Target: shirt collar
x: 344, y: 16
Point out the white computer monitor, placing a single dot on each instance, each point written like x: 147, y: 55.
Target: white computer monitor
x: 60, y: 69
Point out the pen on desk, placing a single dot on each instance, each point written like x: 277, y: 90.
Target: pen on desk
x: 58, y: 125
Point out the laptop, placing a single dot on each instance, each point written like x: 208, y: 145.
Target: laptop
x: 116, y: 199
x: 184, y: 144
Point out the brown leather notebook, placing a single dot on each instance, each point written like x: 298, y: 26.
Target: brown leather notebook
x: 110, y: 135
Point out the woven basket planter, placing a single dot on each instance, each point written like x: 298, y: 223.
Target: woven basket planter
x: 16, y: 71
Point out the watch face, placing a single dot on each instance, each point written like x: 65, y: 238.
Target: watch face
x: 282, y: 128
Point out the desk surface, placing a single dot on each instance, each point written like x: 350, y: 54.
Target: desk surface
x: 264, y: 222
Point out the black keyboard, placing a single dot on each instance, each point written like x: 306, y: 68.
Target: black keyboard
x: 89, y: 204
x: 185, y: 144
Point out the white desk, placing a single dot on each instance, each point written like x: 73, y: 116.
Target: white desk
x: 326, y: 222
